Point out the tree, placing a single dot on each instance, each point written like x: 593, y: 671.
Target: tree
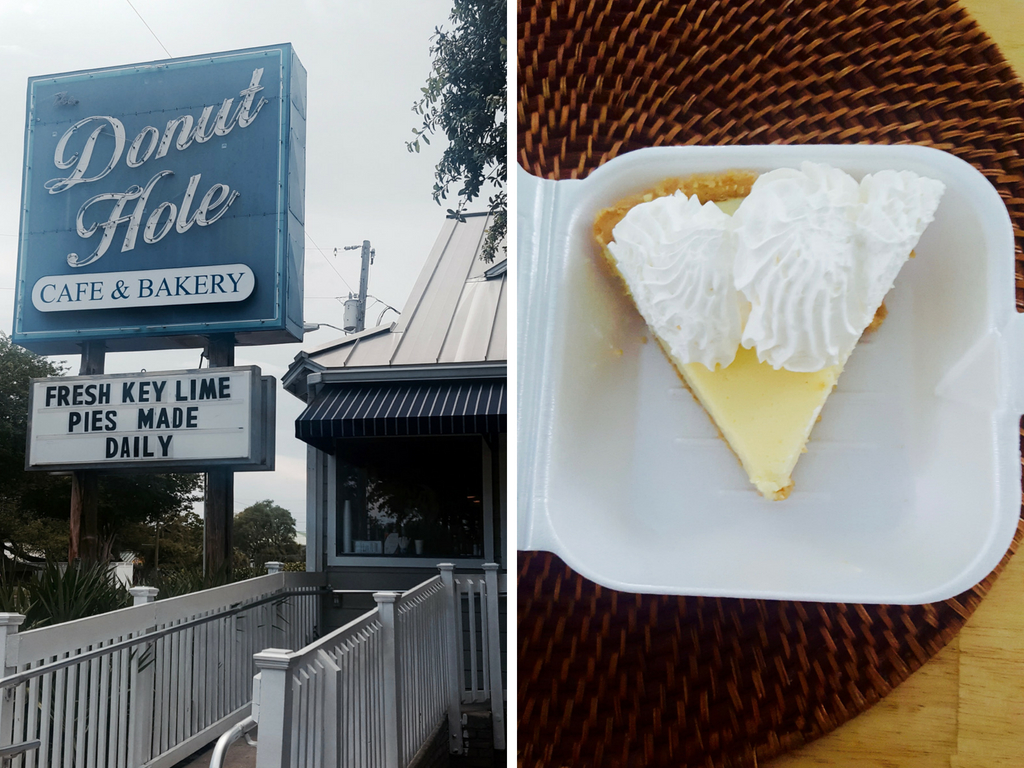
x: 169, y: 537
x: 465, y: 98
x: 17, y: 367
x: 30, y: 502
x: 265, y: 532
x: 35, y: 506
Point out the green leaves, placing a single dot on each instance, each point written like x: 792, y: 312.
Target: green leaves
x: 265, y: 532
x: 62, y: 593
x: 465, y: 99
x: 34, y: 506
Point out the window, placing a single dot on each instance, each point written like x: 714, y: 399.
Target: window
x: 410, y: 497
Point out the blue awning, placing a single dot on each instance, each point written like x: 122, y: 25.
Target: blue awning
x: 403, y: 408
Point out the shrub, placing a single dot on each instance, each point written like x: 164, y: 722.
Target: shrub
x: 61, y: 593
x: 172, y: 582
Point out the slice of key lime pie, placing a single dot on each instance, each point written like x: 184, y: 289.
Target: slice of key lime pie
x: 759, y: 287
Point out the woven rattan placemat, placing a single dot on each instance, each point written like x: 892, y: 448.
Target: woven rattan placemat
x: 614, y: 679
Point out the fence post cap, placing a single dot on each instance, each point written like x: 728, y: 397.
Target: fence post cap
x: 143, y: 594
x: 446, y: 566
x: 11, y: 619
x: 274, y: 566
x: 272, y: 658
x: 385, y: 597
x: 491, y: 566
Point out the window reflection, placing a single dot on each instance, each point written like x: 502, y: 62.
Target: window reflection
x: 410, y: 497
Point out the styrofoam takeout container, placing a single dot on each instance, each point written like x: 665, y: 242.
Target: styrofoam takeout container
x: 910, y: 489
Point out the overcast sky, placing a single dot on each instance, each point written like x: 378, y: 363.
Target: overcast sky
x: 366, y: 60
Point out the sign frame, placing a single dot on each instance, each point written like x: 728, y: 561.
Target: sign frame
x: 262, y: 411
x: 266, y: 148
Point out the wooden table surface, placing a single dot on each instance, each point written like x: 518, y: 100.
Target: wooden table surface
x: 965, y: 707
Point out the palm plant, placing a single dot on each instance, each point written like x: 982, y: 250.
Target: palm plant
x: 67, y: 592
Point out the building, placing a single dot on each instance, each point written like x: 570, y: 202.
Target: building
x: 406, y: 427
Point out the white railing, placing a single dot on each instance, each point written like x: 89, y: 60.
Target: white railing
x: 422, y: 637
x: 478, y: 645
x: 372, y: 692
x: 474, y: 672
x: 150, y: 684
x: 324, y: 702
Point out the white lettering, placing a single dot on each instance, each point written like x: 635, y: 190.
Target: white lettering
x: 223, y: 195
x: 140, y: 206
x: 244, y: 118
x: 184, y: 223
x: 184, y: 137
x: 150, y: 141
x: 220, y: 128
x: 146, y: 288
x: 218, y: 199
x: 121, y: 199
x: 82, y: 161
x: 105, y: 143
x: 132, y: 159
x: 152, y: 233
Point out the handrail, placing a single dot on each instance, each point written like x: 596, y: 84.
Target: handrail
x: 357, y: 665
x: 309, y: 651
x: 70, y: 661
x: 412, y: 594
x: 16, y: 749
x: 228, y: 738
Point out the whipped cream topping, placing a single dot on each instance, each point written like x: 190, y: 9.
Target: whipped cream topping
x: 797, y: 272
x: 816, y: 254
x: 896, y: 208
x: 676, y: 257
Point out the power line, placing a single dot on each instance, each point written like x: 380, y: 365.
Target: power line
x: 328, y: 325
x: 379, y: 301
x: 386, y: 308
x: 330, y: 263
x: 385, y: 311
x: 149, y: 28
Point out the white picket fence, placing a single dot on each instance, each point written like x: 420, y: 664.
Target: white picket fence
x: 478, y: 607
x: 372, y: 692
x: 150, y: 684
x: 423, y: 634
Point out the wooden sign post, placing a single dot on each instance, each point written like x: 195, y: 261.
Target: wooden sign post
x: 219, y: 500
x: 83, y: 542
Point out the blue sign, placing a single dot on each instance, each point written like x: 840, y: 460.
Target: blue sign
x: 163, y: 202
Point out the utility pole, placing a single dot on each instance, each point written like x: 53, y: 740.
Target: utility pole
x: 355, y: 307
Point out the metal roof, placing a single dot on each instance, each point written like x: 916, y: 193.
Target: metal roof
x: 456, y: 314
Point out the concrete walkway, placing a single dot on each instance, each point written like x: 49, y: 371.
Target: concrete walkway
x: 240, y: 755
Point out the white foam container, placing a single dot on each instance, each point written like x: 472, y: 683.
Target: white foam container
x: 910, y: 489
